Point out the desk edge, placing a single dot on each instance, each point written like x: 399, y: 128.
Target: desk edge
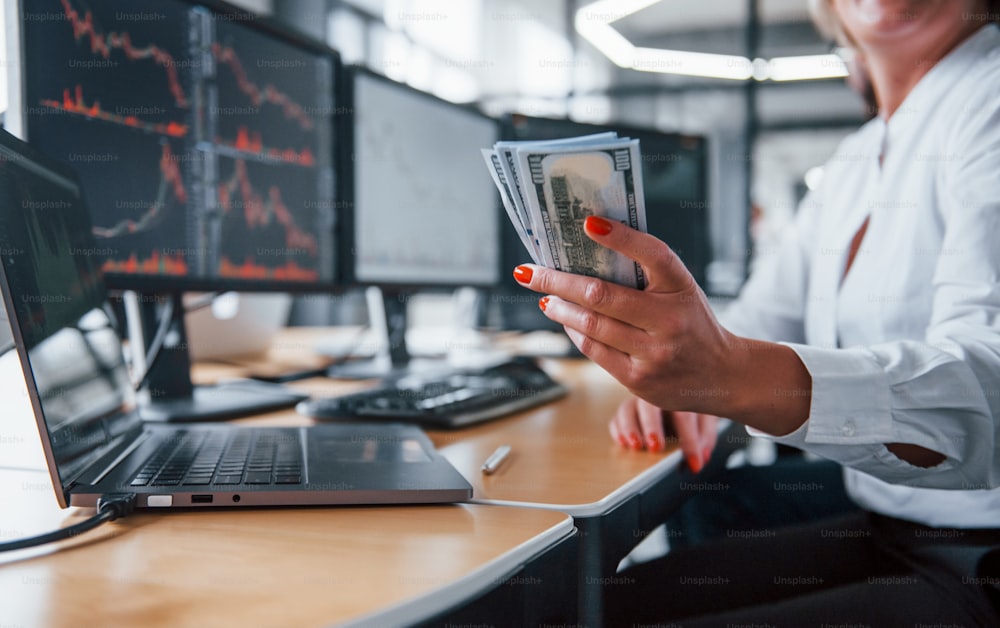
x: 478, y: 581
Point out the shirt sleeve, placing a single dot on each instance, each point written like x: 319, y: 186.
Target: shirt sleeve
x: 941, y: 392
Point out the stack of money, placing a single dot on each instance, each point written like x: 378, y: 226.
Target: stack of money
x: 550, y: 187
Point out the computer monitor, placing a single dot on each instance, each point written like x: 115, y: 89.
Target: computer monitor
x: 423, y: 208
x: 204, y: 139
x: 675, y: 182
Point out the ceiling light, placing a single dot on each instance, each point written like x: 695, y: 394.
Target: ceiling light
x: 608, y: 11
x: 593, y: 23
x: 610, y: 42
x: 807, y: 67
x: 692, y: 63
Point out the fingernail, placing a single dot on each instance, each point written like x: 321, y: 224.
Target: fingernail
x: 543, y: 303
x: 634, y: 441
x: 653, y: 442
x: 597, y: 225
x: 695, y: 464
x: 622, y: 441
x: 706, y: 454
x: 523, y: 274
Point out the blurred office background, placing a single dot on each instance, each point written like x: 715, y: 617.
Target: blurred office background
x: 766, y: 138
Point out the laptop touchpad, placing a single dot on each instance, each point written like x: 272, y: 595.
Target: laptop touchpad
x: 369, y: 449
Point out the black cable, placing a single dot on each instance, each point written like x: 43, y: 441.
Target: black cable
x: 109, y: 508
x: 153, y: 354
x: 156, y: 345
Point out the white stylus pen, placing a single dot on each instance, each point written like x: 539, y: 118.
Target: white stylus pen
x: 496, y: 459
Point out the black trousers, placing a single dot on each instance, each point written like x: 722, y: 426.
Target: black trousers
x: 850, y: 569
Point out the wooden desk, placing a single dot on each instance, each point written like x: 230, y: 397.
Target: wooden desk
x: 268, y: 567
x: 562, y: 456
x: 562, y: 459
x: 274, y: 567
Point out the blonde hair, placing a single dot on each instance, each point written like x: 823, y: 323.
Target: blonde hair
x: 828, y: 23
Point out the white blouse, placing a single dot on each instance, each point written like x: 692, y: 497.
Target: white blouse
x: 907, y: 348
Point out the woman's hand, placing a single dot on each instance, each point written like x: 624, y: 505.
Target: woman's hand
x: 639, y: 424
x: 665, y: 344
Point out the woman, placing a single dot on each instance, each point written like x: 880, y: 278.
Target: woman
x: 871, y: 338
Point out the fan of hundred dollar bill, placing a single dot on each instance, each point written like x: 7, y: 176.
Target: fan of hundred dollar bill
x: 550, y: 187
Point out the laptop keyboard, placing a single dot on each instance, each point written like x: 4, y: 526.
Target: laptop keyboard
x: 214, y: 459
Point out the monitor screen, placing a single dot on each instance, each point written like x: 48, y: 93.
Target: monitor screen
x: 203, y: 139
x: 675, y: 184
x: 424, y: 208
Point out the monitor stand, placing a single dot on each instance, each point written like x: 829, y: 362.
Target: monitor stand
x: 392, y: 360
x: 169, y: 394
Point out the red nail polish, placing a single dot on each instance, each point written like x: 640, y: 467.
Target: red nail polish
x: 543, y: 303
x: 706, y: 454
x: 622, y: 441
x: 523, y: 274
x: 634, y: 441
x: 653, y: 442
x: 597, y: 225
x: 695, y: 465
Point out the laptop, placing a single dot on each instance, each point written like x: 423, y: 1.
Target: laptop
x: 94, y: 440
x: 235, y: 325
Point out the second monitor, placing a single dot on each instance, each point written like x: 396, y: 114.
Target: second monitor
x: 423, y: 210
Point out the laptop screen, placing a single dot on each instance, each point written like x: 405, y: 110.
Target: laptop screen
x: 55, y: 298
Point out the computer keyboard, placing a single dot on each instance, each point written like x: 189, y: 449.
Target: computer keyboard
x: 456, y: 399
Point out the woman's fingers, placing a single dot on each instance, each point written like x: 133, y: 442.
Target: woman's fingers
x: 601, y: 296
x: 651, y: 423
x: 625, y: 425
x: 637, y: 425
x: 687, y: 426
x: 698, y: 434
x: 665, y: 276
x: 709, y: 434
x: 665, y: 271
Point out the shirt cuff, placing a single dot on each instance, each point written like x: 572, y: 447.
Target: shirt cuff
x: 851, y: 401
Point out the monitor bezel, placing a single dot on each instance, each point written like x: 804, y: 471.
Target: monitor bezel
x: 348, y: 184
x: 168, y: 284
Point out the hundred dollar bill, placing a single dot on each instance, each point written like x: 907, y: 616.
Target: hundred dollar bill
x: 524, y: 232
x: 565, y: 184
x: 507, y: 157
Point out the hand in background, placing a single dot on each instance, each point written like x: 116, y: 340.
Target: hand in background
x: 638, y: 424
